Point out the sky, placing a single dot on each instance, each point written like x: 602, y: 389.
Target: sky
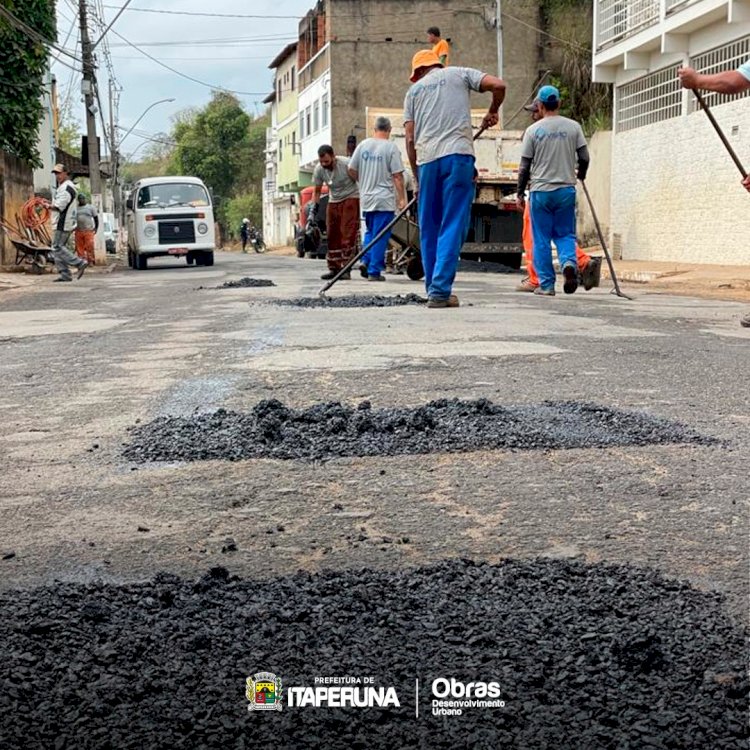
x: 233, y: 53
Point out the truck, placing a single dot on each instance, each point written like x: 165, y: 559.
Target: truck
x: 170, y: 216
x: 496, y: 225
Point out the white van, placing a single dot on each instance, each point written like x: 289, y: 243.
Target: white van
x: 170, y: 216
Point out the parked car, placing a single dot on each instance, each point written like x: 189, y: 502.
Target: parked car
x: 109, y: 228
x: 170, y: 216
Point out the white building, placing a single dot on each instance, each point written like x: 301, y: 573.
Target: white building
x: 676, y: 194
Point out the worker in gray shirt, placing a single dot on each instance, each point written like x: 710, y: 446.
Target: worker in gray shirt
x: 376, y: 164
x: 87, y: 226
x: 552, y: 148
x: 342, y: 216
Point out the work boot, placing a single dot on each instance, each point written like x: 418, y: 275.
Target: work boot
x: 82, y: 269
x: 526, y: 286
x: 363, y: 270
x: 570, y: 273
x: 378, y: 277
x: 545, y: 292
x: 745, y: 321
x: 435, y: 303
x: 331, y: 274
x: 62, y: 278
x: 592, y: 274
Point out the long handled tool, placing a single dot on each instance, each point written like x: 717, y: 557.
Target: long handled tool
x: 617, y: 289
x: 353, y: 261
x: 720, y: 133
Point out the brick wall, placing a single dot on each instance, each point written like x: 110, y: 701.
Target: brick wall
x: 676, y: 195
x: 16, y: 187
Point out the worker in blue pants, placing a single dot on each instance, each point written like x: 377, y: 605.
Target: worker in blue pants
x: 440, y: 146
x: 553, y: 155
x: 376, y: 164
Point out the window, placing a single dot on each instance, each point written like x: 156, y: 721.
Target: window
x: 316, y: 116
x: 728, y: 57
x: 324, y: 110
x: 308, y: 122
x: 172, y: 194
x: 649, y: 99
x: 301, y: 125
x: 281, y: 149
x: 293, y: 77
x: 279, y: 87
x: 294, y: 140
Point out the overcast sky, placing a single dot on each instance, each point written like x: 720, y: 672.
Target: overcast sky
x: 230, y: 52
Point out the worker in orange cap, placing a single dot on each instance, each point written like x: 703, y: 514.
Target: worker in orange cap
x: 588, y: 267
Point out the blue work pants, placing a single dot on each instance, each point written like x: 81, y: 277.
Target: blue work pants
x: 374, y: 258
x: 553, y: 218
x: 446, y: 192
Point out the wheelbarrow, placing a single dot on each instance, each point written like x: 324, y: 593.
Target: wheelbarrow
x: 406, y: 256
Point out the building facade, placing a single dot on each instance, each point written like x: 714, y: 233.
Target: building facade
x: 282, y: 152
x: 354, y: 54
x: 675, y: 192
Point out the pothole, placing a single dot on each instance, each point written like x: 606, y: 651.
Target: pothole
x: 241, y: 283
x: 334, y: 430
x: 372, y: 300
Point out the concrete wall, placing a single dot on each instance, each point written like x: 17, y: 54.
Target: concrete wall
x: 599, y: 183
x: 16, y: 187
x: 368, y: 70
x: 676, y: 195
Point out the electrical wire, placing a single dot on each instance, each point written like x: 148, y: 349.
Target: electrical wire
x: 35, y: 35
x: 184, y: 75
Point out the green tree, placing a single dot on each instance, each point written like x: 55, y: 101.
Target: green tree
x: 211, y: 146
x: 69, y: 130
x: 245, y: 206
x: 23, y: 62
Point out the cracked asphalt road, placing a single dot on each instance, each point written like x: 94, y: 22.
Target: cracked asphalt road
x: 83, y: 364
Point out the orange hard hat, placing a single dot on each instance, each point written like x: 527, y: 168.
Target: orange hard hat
x: 425, y: 58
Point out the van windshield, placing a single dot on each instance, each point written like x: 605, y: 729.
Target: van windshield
x: 172, y: 194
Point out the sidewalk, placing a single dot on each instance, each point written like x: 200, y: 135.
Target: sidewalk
x: 13, y: 277
x: 686, y: 279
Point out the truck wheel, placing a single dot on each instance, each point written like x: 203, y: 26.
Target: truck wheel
x: 141, y: 262
x: 512, y: 260
x: 130, y: 258
x: 190, y: 258
x: 207, y: 259
x: 414, y: 269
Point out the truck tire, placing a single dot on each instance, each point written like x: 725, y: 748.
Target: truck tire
x: 207, y: 259
x: 140, y: 262
x: 130, y: 258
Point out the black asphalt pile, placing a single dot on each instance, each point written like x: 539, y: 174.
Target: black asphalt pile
x: 475, y: 266
x: 333, y: 430
x: 242, y: 283
x: 585, y: 656
x: 364, y: 300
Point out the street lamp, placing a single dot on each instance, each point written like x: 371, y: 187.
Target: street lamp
x: 145, y: 111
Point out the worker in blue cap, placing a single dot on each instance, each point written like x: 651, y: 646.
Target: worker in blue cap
x: 554, y: 154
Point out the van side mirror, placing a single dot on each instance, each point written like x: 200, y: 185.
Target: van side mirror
x: 129, y: 204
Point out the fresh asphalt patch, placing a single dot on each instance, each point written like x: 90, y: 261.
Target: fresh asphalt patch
x: 364, y: 300
x: 242, y: 283
x: 334, y: 430
x: 582, y: 656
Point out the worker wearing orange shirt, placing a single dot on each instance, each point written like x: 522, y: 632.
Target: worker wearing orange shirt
x: 588, y: 267
x: 439, y: 45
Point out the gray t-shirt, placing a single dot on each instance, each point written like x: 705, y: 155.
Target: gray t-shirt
x: 340, y: 185
x: 440, y: 108
x: 85, y: 218
x: 552, y: 145
x: 376, y: 161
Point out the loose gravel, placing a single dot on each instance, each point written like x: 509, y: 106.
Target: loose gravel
x: 596, y: 656
x: 372, y: 300
x: 241, y: 283
x: 332, y: 430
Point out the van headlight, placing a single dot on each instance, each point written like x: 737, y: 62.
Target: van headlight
x: 202, y: 228
x: 150, y: 230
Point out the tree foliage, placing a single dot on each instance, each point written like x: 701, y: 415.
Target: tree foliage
x: 246, y: 206
x: 23, y: 62
x: 69, y: 130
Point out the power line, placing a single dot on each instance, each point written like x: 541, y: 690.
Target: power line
x: 546, y: 33
x: 35, y: 35
x: 184, y: 75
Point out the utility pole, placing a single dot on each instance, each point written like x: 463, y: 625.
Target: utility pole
x: 113, y: 152
x: 499, y: 28
x: 93, y: 144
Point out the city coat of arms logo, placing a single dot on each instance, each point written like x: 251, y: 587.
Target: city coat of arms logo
x: 264, y: 692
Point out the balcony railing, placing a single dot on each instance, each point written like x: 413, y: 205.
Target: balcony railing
x: 619, y: 19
